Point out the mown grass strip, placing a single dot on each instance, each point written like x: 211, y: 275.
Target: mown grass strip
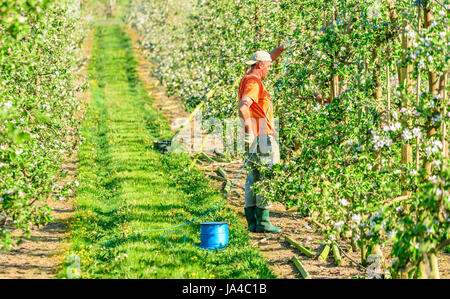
x: 127, y: 186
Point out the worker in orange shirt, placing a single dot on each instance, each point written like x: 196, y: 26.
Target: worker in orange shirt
x: 256, y: 113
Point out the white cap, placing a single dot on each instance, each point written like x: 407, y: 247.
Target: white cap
x: 259, y: 56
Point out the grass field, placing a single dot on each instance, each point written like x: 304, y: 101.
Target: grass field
x: 127, y: 186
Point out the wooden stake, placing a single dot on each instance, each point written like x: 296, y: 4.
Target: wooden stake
x: 434, y: 266
x: 204, y: 156
x: 324, y: 254
x: 301, y: 268
x: 388, y: 92
x: 418, y: 94
x: 336, y: 255
x: 221, y: 172
x: 301, y: 248
x: 444, y: 126
x: 189, y: 119
x: 403, y: 76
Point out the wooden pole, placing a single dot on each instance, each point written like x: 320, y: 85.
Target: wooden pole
x: 301, y: 248
x: 434, y: 266
x: 444, y: 126
x: 336, y: 255
x: 324, y: 254
x: 418, y: 93
x: 301, y: 268
x: 388, y: 93
x: 433, y: 85
x: 405, y: 83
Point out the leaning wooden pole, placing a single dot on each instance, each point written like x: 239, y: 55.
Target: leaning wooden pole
x: 301, y: 268
x: 403, y: 75
x: 433, y: 86
x: 418, y: 93
x: 301, y: 248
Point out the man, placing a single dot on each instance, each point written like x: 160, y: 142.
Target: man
x: 256, y: 112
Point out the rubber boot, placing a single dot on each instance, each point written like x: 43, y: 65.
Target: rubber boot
x: 263, y: 223
x: 250, y: 214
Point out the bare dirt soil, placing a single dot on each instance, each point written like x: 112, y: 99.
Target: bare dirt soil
x: 42, y: 256
x: 273, y: 247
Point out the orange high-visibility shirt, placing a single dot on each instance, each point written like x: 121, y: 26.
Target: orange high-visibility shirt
x: 251, y: 86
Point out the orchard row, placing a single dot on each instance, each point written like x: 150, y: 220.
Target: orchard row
x: 363, y: 108
x: 39, y: 113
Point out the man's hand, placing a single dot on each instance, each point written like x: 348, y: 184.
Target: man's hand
x: 287, y: 44
x: 277, y: 51
x: 249, y: 139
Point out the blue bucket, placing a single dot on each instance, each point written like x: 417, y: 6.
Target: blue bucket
x: 214, y: 235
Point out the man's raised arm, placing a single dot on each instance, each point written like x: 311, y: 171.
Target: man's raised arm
x: 277, y: 51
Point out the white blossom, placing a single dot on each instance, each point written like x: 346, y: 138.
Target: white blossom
x: 338, y: 225
x: 432, y: 179
x: 395, y: 126
x: 437, y: 118
x: 421, y: 64
x: 391, y: 234
x: 8, y: 105
x: 395, y: 115
x: 343, y: 202
x: 407, y: 135
x: 356, y: 218
x: 437, y: 163
x: 417, y: 132
x: 437, y: 143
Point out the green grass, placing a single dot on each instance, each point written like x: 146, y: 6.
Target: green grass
x: 127, y: 186
x: 98, y: 9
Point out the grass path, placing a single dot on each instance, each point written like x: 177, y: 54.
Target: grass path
x: 126, y: 186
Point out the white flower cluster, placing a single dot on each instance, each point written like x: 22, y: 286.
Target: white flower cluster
x: 407, y: 135
x: 380, y: 141
x: 338, y: 225
x: 435, y: 147
x: 343, y: 202
x: 417, y: 132
x: 393, y: 127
